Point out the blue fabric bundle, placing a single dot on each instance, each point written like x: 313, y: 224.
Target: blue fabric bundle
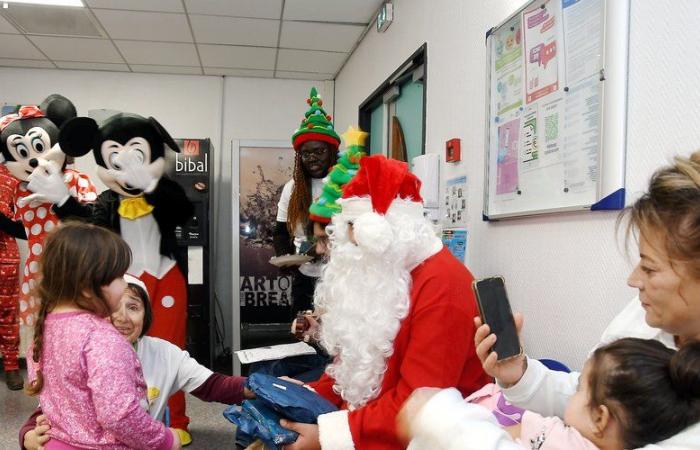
x: 276, y: 399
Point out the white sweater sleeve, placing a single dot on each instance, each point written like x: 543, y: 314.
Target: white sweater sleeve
x: 283, y: 204
x: 546, y: 392
x: 448, y: 422
x: 543, y: 391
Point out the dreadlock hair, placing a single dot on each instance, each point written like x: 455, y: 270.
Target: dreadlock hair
x: 78, y: 261
x: 300, y: 200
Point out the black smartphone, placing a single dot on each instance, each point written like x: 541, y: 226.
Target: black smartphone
x: 495, y: 311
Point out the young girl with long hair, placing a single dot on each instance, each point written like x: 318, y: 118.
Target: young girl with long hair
x: 85, y: 373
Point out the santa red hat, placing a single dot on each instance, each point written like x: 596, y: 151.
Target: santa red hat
x: 381, y: 186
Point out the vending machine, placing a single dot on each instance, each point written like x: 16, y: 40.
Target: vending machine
x: 191, y: 169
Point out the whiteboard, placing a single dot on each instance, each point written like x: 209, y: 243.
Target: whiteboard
x: 556, y: 108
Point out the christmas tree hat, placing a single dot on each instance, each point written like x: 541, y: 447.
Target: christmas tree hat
x: 316, y: 124
x: 348, y: 164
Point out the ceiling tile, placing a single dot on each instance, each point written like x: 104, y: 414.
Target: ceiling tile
x: 305, y: 35
x: 7, y: 27
x: 158, y: 53
x: 355, y: 11
x: 92, y: 66
x: 238, y: 72
x: 166, y: 69
x: 303, y: 75
x: 145, y: 26
x: 17, y: 46
x: 7, y: 62
x: 138, y: 5
x: 262, y: 9
x: 237, y: 57
x: 309, y: 61
x: 53, y: 20
x: 78, y: 49
x: 235, y: 31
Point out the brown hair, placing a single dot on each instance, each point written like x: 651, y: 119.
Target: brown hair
x: 672, y: 206
x: 78, y: 260
x: 653, y: 391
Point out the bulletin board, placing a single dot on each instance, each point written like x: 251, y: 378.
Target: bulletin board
x: 556, y: 108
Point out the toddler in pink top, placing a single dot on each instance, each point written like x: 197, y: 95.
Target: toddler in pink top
x: 632, y: 393
x: 86, y: 374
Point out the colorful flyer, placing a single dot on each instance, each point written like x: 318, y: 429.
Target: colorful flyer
x: 541, y: 71
x: 508, y: 65
x: 528, y: 153
x: 507, y: 160
x: 456, y: 242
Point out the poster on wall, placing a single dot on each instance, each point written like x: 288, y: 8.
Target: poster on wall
x: 265, y: 292
x: 556, y: 97
x: 456, y: 197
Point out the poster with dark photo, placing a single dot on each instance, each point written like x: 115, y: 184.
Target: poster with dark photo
x: 265, y: 293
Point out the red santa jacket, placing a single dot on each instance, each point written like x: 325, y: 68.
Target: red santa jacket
x: 433, y: 348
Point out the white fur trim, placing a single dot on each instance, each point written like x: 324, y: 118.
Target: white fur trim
x: 354, y: 207
x: 133, y: 280
x: 334, y: 431
x: 373, y: 233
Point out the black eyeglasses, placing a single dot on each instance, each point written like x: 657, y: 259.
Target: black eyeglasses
x: 317, y: 153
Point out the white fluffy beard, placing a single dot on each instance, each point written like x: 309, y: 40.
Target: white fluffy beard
x: 364, y: 294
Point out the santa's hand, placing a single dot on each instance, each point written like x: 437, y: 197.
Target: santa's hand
x: 46, y: 183
x: 133, y: 171
x: 308, y: 435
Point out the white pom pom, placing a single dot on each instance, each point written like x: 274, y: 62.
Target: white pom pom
x: 373, y: 233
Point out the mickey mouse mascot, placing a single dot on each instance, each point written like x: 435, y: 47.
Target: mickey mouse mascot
x: 144, y: 207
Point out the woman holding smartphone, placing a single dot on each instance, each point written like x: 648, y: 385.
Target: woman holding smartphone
x: 666, y: 221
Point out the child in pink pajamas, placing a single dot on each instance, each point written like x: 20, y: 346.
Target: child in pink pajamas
x: 86, y: 374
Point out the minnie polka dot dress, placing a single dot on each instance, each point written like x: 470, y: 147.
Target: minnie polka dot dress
x: 39, y: 219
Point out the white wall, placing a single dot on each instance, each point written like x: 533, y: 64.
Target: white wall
x: 566, y: 272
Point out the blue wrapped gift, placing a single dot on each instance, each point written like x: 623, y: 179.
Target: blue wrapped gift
x: 276, y: 399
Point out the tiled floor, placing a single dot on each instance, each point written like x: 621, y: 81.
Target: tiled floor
x: 208, y: 427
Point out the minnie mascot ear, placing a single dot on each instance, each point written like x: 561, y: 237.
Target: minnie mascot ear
x: 28, y: 143
x: 142, y: 205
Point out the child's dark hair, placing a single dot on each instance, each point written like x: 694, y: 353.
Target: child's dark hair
x: 138, y: 292
x: 652, y: 390
x: 78, y: 260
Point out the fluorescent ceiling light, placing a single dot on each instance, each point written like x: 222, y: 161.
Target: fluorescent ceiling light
x: 77, y: 3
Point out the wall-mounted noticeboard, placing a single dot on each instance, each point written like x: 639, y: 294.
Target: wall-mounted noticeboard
x: 556, y: 108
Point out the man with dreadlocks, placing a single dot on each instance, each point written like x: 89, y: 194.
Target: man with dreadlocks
x: 316, y: 145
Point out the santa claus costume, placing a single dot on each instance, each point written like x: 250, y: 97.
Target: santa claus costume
x: 396, y: 308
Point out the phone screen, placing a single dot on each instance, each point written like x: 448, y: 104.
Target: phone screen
x: 496, y: 313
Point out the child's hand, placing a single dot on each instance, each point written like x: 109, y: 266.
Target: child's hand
x: 176, y: 440
x: 36, y: 438
x: 507, y: 372
x: 410, y: 410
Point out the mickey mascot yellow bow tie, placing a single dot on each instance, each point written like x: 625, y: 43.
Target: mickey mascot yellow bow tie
x: 133, y: 208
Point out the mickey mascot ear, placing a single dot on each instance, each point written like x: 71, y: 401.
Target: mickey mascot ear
x: 163, y: 133
x: 77, y: 136
x: 58, y: 109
